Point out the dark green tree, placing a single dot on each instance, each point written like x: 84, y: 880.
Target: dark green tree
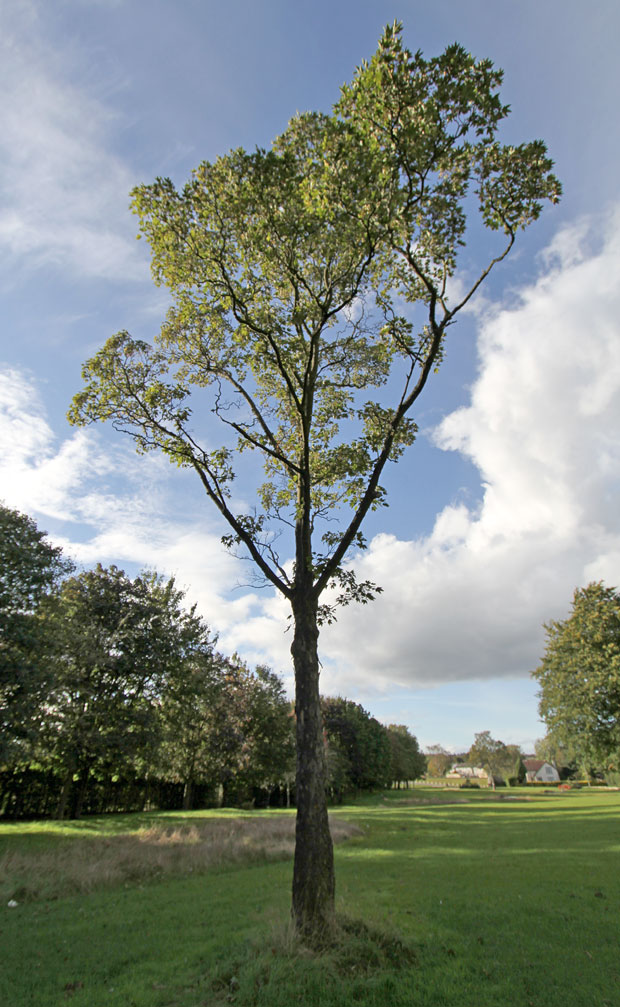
x: 191, y: 703
x: 361, y: 739
x: 310, y: 288
x: 579, y: 677
x: 269, y: 743
x: 407, y: 761
x: 226, y: 726
x: 117, y: 640
x: 30, y: 569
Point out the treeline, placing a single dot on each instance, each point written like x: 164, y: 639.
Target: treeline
x: 114, y: 697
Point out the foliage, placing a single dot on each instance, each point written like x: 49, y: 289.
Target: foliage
x: 189, y: 700
x: 438, y: 761
x: 503, y: 762
x: 30, y: 569
x: 116, y: 641
x: 361, y: 740
x: 253, y: 730
x: 285, y: 267
x: 579, y: 677
x: 294, y: 276
x: 407, y: 761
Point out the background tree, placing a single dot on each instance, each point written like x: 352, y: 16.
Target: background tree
x: 361, y: 739
x: 438, y: 761
x: 270, y: 740
x: 406, y: 760
x: 190, y: 702
x: 579, y: 677
x: 116, y: 640
x: 502, y: 762
x: 30, y: 569
x: 513, y: 770
x: 288, y: 269
x: 255, y: 730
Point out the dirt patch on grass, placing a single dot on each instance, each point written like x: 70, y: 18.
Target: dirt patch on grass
x: 78, y: 866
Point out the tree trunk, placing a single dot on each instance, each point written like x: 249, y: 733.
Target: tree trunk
x: 313, y: 872
x: 66, y: 790
x: 81, y: 792
x: 188, y: 795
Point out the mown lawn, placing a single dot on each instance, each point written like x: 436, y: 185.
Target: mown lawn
x: 474, y: 902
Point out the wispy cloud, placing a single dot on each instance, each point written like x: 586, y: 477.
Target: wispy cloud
x: 63, y: 193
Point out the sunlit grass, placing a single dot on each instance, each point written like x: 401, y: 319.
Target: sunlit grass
x: 492, y: 903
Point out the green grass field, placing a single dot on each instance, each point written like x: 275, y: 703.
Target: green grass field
x: 471, y: 901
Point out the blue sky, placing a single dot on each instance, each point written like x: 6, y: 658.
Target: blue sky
x: 508, y: 500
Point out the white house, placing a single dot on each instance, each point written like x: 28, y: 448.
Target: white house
x: 543, y: 772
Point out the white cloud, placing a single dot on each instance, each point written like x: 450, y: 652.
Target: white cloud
x: 37, y: 473
x: 543, y: 429
x: 113, y: 507
x: 63, y: 194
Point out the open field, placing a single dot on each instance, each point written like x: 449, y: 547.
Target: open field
x: 475, y: 901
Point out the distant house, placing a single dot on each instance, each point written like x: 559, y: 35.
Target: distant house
x: 538, y: 771
x: 461, y: 772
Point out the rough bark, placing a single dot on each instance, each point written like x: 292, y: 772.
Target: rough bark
x: 313, y: 872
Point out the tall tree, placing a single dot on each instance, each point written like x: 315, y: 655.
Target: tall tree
x: 30, y: 568
x: 191, y: 699
x: 579, y: 677
x: 302, y: 278
x: 361, y: 739
x: 117, y: 640
x: 407, y: 761
x: 227, y: 726
x: 269, y: 744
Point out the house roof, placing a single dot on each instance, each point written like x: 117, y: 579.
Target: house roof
x: 533, y: 765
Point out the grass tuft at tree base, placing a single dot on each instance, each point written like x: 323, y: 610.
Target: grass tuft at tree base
x: 355, y: 961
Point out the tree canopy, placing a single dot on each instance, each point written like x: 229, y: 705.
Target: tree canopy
x: 30, y: 568
x: 311, y: 300
x: 579, y: 677
x: 408, y: 763
x: 117, y: 642
x: 438, y: 760
x: 360, y: 740
x: 503, y: 762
